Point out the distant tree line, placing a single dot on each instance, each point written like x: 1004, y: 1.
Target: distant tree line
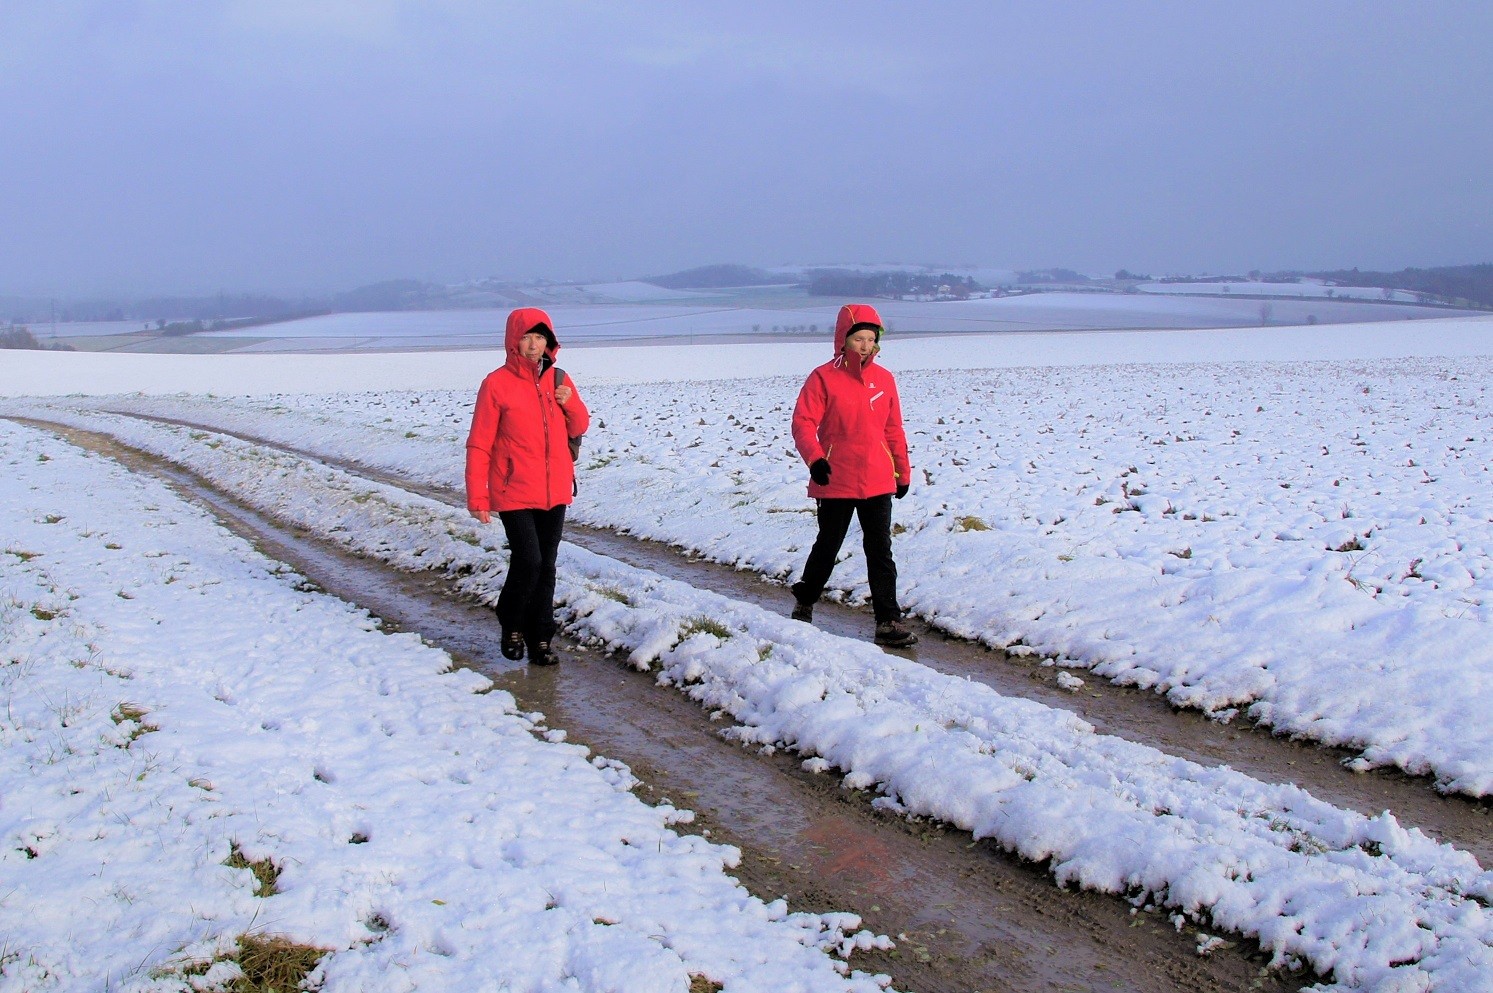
x: 18, y: 336
x: 1449, y: 284
x: 1036, y: 276
x: 1459, y: 286
x: 396, y: 294
x: 715, y: 277
x: 847, y: 283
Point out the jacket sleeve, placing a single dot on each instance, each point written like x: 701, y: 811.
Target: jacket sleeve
x: 807, y: 414
x: 896, y: 438
x: 577, y: 416
x: 480, y: 439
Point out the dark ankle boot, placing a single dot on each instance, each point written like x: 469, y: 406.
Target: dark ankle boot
x: 540, y: 653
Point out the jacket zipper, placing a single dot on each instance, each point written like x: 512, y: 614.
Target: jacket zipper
x: 544, y: 422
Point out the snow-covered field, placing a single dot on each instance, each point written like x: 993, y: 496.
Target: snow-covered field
x: 639, y: 312
x: 704, y: 319
x: 1305, y: 288
x: 174, y: 702
x: 1305, y: 544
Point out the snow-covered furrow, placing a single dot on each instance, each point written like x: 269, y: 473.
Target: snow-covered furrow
x: 1308, y: 546
x: 174, y: 707
x: 1362, y: 900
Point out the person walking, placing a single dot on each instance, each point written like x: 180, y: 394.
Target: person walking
x: 847, y: 427
x: 519, y: 466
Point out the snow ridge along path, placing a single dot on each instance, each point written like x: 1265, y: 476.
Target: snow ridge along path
x: 1360, y: 900
x: 174, y: 700
x: 1147, y: 523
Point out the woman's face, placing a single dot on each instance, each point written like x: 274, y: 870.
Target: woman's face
x: 862, y: 343
x: 531, y: 346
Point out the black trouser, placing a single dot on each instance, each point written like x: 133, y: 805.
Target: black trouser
x: 527, y: 602
x: 876, y: 538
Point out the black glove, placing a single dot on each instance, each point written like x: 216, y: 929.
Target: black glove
x: 901, y: 490
x: 819, y: 471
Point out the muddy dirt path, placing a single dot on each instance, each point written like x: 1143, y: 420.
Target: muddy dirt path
x: 966, y: 916
x: 1135, y: 715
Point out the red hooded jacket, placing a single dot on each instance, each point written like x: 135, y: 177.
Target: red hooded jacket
x: 518, y: 456
x: 848, y: 413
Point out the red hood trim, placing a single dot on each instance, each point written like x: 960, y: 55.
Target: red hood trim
x: 850, y: 315
x: 521, y: 322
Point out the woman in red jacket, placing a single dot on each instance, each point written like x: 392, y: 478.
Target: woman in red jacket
x: 519, y: 465
x: 847, y: 426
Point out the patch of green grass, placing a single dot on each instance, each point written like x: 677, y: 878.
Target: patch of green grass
x: 613, y: 593
x: 23, y: 556
x: 42, y: 614
x: 695, y: 625
x: 266, y: 873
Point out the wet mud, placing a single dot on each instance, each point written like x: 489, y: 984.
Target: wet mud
x: 965, y: 915
x: 1137, y: 715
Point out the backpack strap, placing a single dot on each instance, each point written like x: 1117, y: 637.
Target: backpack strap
x: 574, y: 443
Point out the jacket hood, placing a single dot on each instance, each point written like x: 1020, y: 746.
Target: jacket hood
x: 850, y: 315
x: 526, y: 319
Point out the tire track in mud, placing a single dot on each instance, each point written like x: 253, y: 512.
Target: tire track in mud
x: 1136, y: 715
x: 965, y: 915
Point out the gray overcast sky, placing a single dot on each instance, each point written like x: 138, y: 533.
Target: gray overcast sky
x: 183, y: 146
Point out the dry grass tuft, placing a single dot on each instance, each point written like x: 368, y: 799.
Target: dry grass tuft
x: 695, y: 625
x: 699, y: 984
x: 273, y: 964
x: 130, y: 713
x: 970, y: 523
x: 266, y: 873
x: 611, y: 593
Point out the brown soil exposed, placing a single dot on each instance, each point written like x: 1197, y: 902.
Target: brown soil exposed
x: 1136, y: 715
x: 965, y: 915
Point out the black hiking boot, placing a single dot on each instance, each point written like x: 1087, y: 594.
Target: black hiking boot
x: 540, y: 654
x: 894, y: 634
x: 803, y: 610
x: 512, y: 645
